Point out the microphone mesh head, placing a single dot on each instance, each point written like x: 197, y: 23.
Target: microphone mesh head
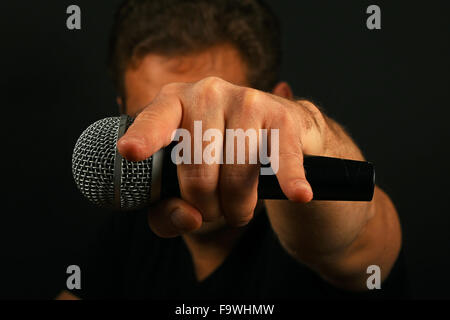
x: 93, y: 168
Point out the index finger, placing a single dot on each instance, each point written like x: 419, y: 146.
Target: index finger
x: 152, y: 129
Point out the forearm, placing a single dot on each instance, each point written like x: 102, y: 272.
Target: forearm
x: 339, y: 239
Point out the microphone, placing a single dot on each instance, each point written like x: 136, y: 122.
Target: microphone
x: 109, y: 181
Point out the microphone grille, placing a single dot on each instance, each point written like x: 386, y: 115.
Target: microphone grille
x: 93, y: 168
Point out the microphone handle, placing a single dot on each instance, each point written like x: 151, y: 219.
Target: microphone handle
x: 330, y: 179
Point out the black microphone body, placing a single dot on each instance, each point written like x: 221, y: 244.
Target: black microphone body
x: 110, y: 181
x: 330, y: 179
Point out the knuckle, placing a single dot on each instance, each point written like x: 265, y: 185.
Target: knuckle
x: 148, y: 115
x: 151, y: 119
x: 213, y: 82
x: 240, y: 177
x: 251, y: 97
x: 283, y: 117
x: 210, y: 87
x: 297, y: 156
x: 202, y: 186
x: 199, y: 184
x: 251, y: 105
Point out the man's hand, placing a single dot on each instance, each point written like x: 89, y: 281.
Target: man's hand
x: 337, y: 239
x: 210, y: 191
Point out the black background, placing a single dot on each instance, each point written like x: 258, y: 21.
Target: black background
x: 388, y: 87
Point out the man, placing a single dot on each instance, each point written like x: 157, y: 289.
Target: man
x: 175, y: 62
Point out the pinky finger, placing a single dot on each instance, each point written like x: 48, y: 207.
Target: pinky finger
x: 173, y: 217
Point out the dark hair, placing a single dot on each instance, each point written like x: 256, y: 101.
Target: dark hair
x: 172, y: 27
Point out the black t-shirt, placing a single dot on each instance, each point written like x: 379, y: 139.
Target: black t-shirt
x: 127, y: 260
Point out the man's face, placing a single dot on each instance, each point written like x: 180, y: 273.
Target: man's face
x: 144, y: 80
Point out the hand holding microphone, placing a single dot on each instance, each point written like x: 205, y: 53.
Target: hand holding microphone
x: 110, y: 181
x: 139, y: 171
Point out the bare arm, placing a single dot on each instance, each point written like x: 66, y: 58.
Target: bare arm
x: 339, y: 240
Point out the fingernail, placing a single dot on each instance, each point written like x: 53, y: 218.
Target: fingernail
x: 177, y: 218
x: 131, y: 148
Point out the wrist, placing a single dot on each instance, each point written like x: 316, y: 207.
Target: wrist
x: 316, y: 136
